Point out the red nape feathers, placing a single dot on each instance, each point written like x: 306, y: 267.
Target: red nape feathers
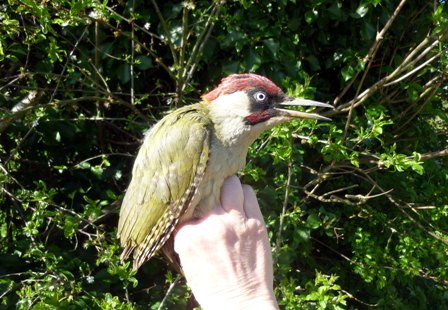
x: 242, y: 82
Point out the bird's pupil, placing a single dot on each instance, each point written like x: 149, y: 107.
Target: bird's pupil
x: 260, y: 96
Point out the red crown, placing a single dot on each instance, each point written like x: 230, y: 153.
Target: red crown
x: 242, y: 82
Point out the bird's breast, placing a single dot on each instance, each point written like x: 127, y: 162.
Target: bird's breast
x: 224, y: 161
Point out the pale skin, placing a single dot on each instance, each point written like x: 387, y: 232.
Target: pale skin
x: 226, y: 255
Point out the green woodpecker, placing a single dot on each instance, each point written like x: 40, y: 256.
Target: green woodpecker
x: 185, y: 158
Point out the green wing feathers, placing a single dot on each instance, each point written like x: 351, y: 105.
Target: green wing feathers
x: 167, y: 171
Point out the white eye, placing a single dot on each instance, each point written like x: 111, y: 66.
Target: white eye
x: 260, y: 96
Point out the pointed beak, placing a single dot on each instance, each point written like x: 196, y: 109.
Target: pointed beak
x: 304, y: 103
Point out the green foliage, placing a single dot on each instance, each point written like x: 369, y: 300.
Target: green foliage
x: 320, y: 293
x: 357, y: 208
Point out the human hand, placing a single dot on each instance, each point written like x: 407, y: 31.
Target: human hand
x: 226, y: 255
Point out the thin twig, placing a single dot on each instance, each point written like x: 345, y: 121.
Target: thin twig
x: 153, y: 35
x: 427, y: 89
x: 166, y: 32
x: 436, y: 154
x: 284, y: 207
x: 413, y: 70
x: 415, y: 54
x: 131, y: 65
x: 358, y: 300
x: 400, y: 207
x: 157, y: 59
x: 66, y: 63
x: 380, y: 36
x: 420, y: 108
x: 9, y: 175
x: 168, y: 292
x: 202, y: 40
x: 407, y: 63
x: 342, y: 189
x: 369, y: 58
x: 183, y: 46
x: 20, y: 109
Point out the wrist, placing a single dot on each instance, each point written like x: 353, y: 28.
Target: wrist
x: 265, y: 304
x: 239, y: 299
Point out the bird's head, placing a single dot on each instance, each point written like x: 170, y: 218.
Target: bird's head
x: 257, y: 99
x: 250, y: 102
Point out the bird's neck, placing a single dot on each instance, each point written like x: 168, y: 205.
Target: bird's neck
x: 232, y: 130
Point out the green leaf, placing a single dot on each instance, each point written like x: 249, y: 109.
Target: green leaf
x: 311, y: 16
x: 368, y: 31
x: 313, y: 221
x: 55, y: 52
x: 253, y: 61
x: 347, y: 73
x: 2, y: 54
x: 314, y: 62
x: 361, y: 11
x: 335, y: 10
x: 70, y: 226
x: 124, y: 73
x: 272, y: 46
x: 4, y: 230
x: 143, y: 62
